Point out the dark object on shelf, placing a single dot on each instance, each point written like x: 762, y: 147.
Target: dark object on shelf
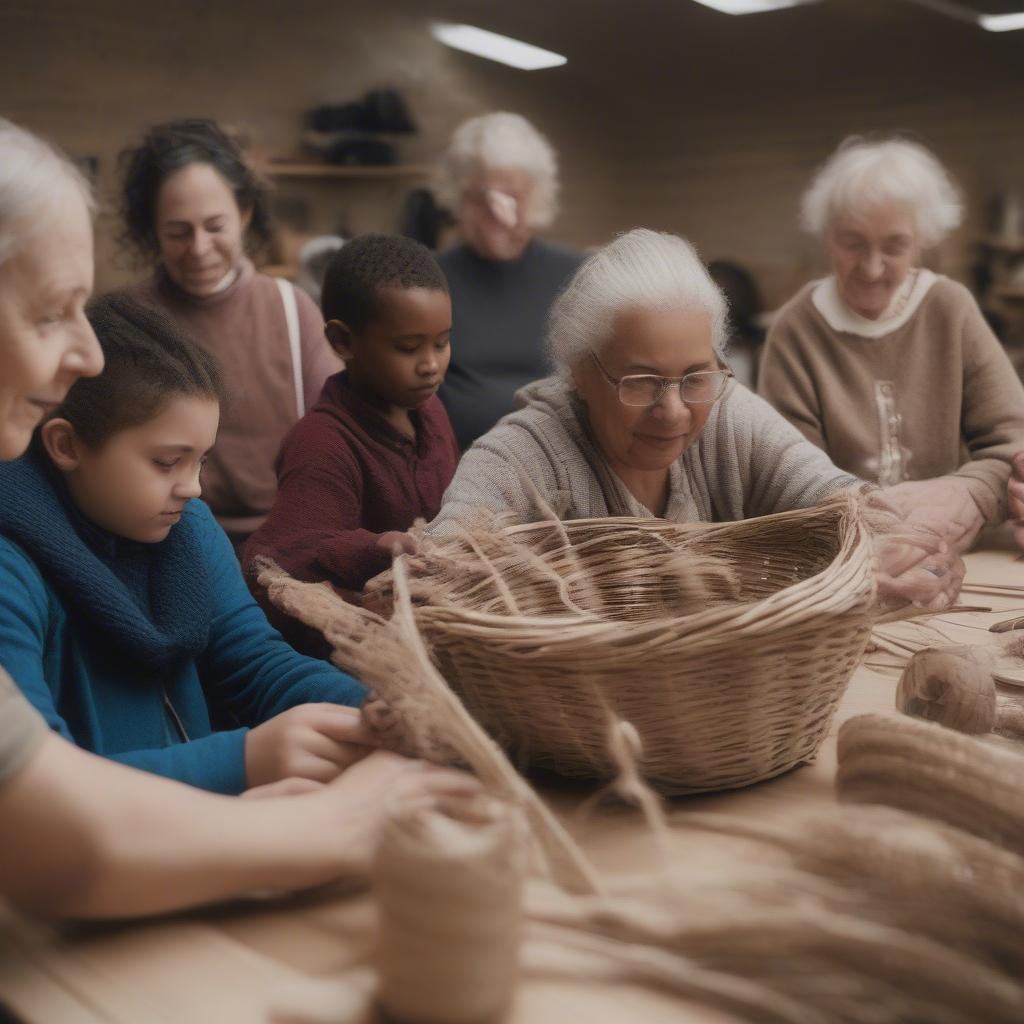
x: 361, y: 151
x: 380, y: 110
x: 1006, y: 217
x: 7, y: 1015
x: 746, y: 340
x: 422, y: 219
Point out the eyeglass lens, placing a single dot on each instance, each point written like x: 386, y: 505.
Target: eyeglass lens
x: 646, y: 389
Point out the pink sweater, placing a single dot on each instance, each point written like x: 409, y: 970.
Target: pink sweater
x: 244, y: 326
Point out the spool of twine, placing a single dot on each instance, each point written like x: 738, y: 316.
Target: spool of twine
x: 449, y: 897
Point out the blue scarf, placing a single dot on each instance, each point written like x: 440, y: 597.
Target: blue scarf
x: 151, y: 602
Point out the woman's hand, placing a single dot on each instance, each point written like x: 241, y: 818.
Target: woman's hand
x: 383, y: 784
x: 312, y: 741
x: 915, y: 566
x: 942, y: 506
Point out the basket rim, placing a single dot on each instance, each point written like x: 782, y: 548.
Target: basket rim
x: 850, y: 565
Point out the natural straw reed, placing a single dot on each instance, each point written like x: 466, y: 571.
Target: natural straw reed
x: 389, y: 656
x: 449, y: 897
x: 930, y: 770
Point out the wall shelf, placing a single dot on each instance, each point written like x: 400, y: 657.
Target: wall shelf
x: 1011, y: 247
x: 352, y: 172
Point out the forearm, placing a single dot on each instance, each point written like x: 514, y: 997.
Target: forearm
x: 986, y: 479
x: 349, y: 558
x: 88, y: 838
x: 215, y: 762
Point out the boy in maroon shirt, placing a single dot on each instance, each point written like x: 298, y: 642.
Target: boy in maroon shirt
x: 377, y: 451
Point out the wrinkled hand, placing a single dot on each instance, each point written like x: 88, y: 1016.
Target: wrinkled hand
x: 942, y: 506
x: 312, y: 741
x: 368, y: 793
x: 917, y: 567
x: 1015, y: 494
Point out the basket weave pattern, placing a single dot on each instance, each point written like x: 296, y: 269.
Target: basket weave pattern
x: 598, y: 623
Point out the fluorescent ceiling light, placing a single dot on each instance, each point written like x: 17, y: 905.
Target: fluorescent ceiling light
x: 482, y: 43
x: 990, y: 22
x: 751, y: 6
x: 1001, y: 22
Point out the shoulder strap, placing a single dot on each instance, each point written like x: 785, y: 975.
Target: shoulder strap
x: 291, y: 316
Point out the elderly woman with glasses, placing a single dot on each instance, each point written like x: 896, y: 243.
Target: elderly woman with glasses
x: 887, y: 366
x: 641, y: 418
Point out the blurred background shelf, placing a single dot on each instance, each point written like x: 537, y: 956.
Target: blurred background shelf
x: 1009, y: 246
x: 311, y: 169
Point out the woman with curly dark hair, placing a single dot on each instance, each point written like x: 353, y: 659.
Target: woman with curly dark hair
x: 195, y: 209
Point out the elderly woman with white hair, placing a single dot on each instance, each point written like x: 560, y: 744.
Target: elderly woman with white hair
x: 887, y: 366
x: 500, y: 176
x: 643, y: 419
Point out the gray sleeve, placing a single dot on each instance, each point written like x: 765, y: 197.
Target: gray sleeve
x: 779, y: 467
x: 499, y: 474
x: 21, y: 729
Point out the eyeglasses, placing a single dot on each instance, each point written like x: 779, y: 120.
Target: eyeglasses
x: 645, y: 389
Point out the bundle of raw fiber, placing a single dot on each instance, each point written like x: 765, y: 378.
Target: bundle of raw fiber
x: 973, y: 784
x: 389, y: 656
x: 839, y: 916
x: 727, y: 646
x: 848, y: 915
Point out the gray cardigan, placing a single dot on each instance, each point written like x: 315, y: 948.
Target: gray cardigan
x: 747, y: 462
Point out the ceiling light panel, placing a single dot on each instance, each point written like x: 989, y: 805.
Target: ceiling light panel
x: 491, y: 46
x: 752, y: 6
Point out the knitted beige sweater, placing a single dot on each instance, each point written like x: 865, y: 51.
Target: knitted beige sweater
x: 747, y: 462
x: 934, y: 396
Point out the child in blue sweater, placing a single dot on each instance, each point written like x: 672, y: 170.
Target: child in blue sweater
x: 124, y: 617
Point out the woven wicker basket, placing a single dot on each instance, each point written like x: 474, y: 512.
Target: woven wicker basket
x: 737, y: 692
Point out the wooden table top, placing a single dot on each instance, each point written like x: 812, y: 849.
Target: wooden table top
x: 299, y: 959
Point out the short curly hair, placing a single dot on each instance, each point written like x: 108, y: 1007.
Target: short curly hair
x: 170, y: 147
x: 362, y: 267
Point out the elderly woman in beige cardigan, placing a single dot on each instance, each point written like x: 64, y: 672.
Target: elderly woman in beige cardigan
x: 642, y: 419
x: 888, y: 367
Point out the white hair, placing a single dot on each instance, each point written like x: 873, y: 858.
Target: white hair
x: 32, y: 175
x: 862, y: 175
x: 641, y: 268
x: 502, y: 141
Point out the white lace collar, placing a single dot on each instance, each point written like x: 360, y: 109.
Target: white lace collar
x: 840, y: 317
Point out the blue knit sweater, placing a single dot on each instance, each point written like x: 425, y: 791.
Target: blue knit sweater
x: 141, y: 652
